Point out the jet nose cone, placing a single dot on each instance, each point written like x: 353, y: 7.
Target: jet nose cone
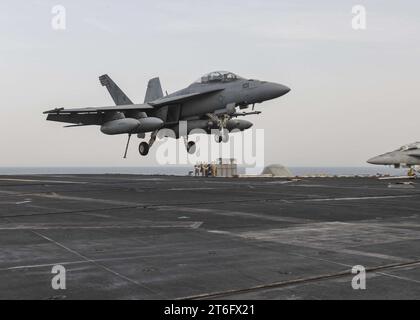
x: 385, y: 159
x: 278, y: 90
x: 273, y: 90
x: 374, y: 160
x: 284, y: 89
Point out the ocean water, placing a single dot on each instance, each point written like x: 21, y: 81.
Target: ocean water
x: 184, y: 170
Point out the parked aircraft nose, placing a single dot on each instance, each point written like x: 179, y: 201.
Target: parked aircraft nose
x: 385, y: 159
x: 374, y: 160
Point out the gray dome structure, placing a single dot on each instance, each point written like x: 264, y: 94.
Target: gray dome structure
x: 277, y: 170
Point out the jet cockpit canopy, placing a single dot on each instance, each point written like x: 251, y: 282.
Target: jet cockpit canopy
x: 218, y: 76
x: 412, y: 146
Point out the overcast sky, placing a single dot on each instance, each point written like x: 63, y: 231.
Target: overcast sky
x: 354, y: 94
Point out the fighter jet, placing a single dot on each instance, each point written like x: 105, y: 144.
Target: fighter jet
x: 407, y: 156
x: 211, y: 103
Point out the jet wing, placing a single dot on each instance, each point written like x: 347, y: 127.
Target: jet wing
x: 83, y: 119
x: 89, y: 116
x: 99, y: 109
x: 181, y: 98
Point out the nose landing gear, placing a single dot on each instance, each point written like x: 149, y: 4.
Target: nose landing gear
x: 221, y: 121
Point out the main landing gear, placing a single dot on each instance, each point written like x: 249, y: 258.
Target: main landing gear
x: 126, y: 147
x: 144, y: 146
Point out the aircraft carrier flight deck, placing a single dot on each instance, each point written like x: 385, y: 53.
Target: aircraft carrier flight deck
x: 167, y: 237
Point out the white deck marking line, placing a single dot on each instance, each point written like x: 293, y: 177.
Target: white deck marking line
x: 131, y: 257
x: 367, y: 188
x: 371, y: 254
x: 46, y: 181
x: 61, y: 197
x: 177, y: 224
x: 358, y: 198
x: 44, y: 265
x: 340, y: 250
x: 97, y: 264
x: 23, y: 202
x: 98, y: 215
x: 398, y: 277
x: 319, y: 259
x: 191, y: 189
x: 232, y: 213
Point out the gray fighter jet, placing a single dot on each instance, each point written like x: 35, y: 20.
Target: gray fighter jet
x: 211, y: 104
x: 407, y: 156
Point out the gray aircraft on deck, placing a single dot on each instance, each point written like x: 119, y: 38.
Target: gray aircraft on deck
x: 407, y: 156
x: 210, y: 104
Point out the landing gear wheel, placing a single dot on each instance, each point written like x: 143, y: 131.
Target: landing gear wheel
x: 218, y: 138
x: 191, y: 147
x: 144, y: 148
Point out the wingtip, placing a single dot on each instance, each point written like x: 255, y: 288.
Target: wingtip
x: 55, y: 110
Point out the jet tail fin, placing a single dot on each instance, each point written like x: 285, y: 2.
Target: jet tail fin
x: 119, y: 97
x: 154, y: 90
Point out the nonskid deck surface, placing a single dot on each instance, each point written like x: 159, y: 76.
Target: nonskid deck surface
x: 161, y: 237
